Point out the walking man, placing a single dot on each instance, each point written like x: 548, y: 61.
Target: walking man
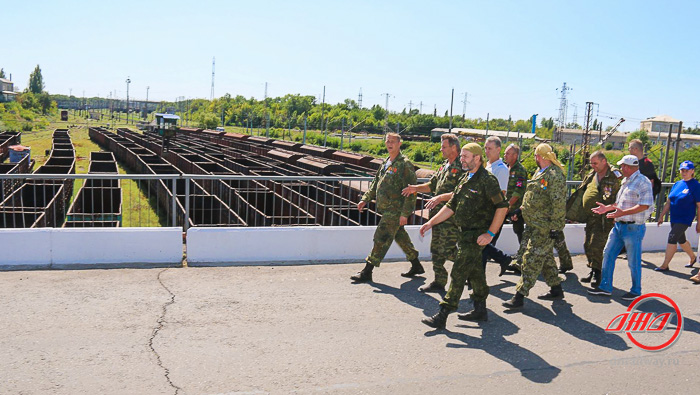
x: 630, y: 211
x: 492, y: 149
x: 443, y: 245
x: 543, y: 208
x: 395, y: 174
x: 479, y: 208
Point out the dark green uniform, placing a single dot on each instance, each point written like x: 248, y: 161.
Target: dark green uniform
x: 474, y: 204
x: 544, y: 208
x: 517, y: 182
x: 444, y: 240
x: 598, y: 226
x: 386, y: 190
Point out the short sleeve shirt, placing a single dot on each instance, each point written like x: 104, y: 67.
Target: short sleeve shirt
x: 500, y: 170
x: 684, y: 197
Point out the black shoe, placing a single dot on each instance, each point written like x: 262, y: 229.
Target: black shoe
x: 563, y: 270
x: 588, y: 278
x: 478, y: 314
x: 598, y: 291
x: 629, y: 296
x: 362, y: 277
x: 516, y: 302
x: 514, y: 268
x: 554, y: 293
x: 439, y: 320
x: 416, y: 268
x: 432, y: 287
x: 596, y: 278
x: 504, y: 266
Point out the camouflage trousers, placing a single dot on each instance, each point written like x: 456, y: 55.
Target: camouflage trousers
x: 559, y: 244
x: 597, y: 230
x: 443, y: 247
x: 467, y: 266
x: 537, y: 258
x: 388, y: 231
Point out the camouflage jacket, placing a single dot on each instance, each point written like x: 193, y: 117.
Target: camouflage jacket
x: 445, y: 180
x: 608, y: 186
x: 544, y: 203
x: 475, y: 201
x: 387, y: 185
x: 517, y: 182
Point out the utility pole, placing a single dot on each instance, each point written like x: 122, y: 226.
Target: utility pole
x: 410, y: 106
x: 464, y: 109
x: 267, y: 116
x: 213, y: 63
x: 147, y: 89
x: 586, y: 137
x: 562, y: 113
x: 359, y: 99
x: 421, y: 108
x: 128, y: 81
x: 323, y: 107
x: 452, y: 100
x: 386, y: 116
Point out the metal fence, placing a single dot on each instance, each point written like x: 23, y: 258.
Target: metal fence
x: 186, y: 200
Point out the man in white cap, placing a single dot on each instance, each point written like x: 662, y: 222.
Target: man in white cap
x: 630, y: 211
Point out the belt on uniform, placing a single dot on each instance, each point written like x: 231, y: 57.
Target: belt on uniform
x: 626, y: 222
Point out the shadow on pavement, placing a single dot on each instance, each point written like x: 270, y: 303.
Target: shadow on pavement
x: 493, y: 341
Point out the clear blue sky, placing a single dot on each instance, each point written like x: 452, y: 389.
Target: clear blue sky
x: 636, y: 59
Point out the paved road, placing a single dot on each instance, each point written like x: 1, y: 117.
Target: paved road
x: 308, y: 329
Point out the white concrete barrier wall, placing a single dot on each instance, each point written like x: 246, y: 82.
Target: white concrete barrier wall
x: 207, y: 246
x: 87, y: 247
x: 138, y: 247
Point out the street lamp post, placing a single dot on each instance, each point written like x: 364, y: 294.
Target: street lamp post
x: 128, y: 81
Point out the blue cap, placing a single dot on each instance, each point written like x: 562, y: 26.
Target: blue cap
x: 687, y: 165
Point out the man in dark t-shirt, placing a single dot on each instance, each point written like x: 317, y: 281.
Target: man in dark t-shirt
x: 646, y: 166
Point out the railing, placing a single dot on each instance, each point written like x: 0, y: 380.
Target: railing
x: 186, y: 200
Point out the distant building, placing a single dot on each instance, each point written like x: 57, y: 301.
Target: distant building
x: 479, y: 134
x: 659, y: 124
x: 7, y: 91
x: 619, y: 139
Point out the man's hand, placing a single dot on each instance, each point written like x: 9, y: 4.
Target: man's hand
x: 603, y: 208
x: 697, y: 227
x: 403, y: 221
x: 484, y: 239
x: 361, y: 205
x: 432, y: 203
x: 660, y: 221
x: 426, y: 226
x: 615, y: 214
x: 409, y: 190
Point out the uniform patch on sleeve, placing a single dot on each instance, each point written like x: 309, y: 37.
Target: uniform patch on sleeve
x: 495, y: 199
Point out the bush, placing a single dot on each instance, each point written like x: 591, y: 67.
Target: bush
x: 608, y: 146
x: 418, y: 155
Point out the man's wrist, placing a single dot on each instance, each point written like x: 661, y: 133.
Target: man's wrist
x: 491, y: 233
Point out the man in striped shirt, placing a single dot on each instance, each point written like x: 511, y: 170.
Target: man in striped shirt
x: 630, y: 211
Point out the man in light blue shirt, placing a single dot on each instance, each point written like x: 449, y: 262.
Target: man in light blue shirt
x: 496, y: 166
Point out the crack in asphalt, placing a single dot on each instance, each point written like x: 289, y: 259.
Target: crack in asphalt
x: 157, y: 329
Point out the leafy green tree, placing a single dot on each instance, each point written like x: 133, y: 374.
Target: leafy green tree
x: 208, y: 120
x: 36, y: 81
x: 2, y: 73
x: 642, y: 135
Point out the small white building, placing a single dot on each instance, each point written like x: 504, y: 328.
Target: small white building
x: 7, y: 90
x: 659, y: 124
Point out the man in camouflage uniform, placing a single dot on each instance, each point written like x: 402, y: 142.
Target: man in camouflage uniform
x: 601, y: 184
x: 517, y: 182
x: 543, y: 208
x: 479, y: 208
x: 443, y: 244
x: 395, y: 174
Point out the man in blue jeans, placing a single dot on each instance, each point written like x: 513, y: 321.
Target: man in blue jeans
x: 630, y: 211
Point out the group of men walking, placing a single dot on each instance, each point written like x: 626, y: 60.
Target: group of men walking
x: 474, y: 191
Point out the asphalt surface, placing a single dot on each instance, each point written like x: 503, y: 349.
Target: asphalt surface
x: 308, y: 329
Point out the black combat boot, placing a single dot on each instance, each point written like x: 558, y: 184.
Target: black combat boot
x: 563, y: 270
x: 363, y: 276
x: 554, y: 293
x: 432, y: 287
x: 416, y: 268
x: 589, y: 277
x: 439, y: 320
x: 478, y: 314
x: 516, y: 302
x: 505, y: 264
x: 596, y: 278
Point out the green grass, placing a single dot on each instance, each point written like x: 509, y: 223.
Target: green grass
x: 137, y: 208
